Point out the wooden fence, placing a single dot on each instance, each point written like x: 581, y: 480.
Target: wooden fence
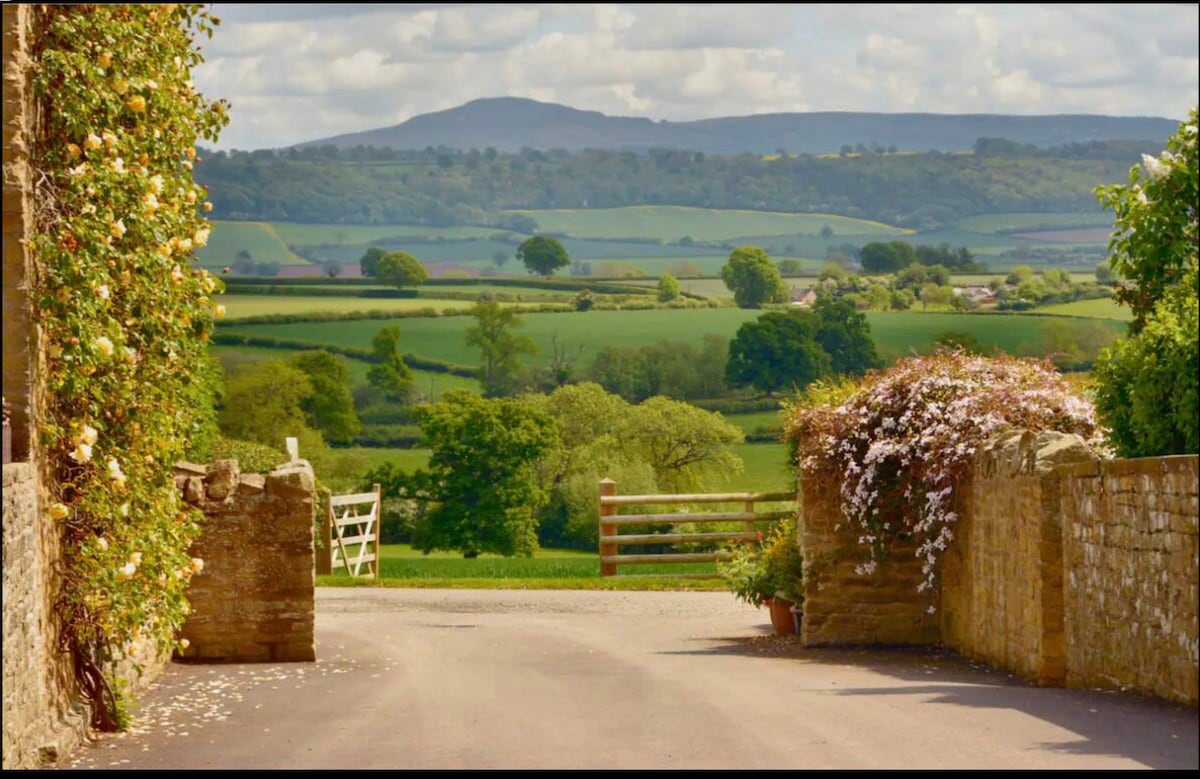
x: 345, y: 526
x: 611, y: 539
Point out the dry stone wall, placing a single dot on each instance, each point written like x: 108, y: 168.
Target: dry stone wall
x: 1131, y: 575
x: 254, y: 599
x: 1002, y: 579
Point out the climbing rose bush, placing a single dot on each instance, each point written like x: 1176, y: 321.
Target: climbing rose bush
x: 898, y: 448
x: 124, y: 317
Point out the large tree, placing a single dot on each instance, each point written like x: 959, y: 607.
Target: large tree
x: 264, y: 403
x: 845, y: 335
x: 543, y: 255
x: 889, y: 257
x: 501, y: 348
x: 369, y: 262
x: 777, y: 351
x: 1154, y: 239
x: 329, y: 407
x: 753, y: 278
x: 481, y: 474
x: 400, y: 269
x: 389, y: 374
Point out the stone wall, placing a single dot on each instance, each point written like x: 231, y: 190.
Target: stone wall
x: 42, y: 718
x: 1002, y: 579
x: 843, y: 607
x: 1131, y: 575
x: 253, y: 601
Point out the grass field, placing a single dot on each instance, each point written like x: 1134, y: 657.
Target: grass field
x: 318, y: 235
x: 1104, y: 308
x: 238, y: 306
x: 766, y: 468
x: 989, y: 223
x: 896, y: 333
x: 258, y: 238
x: 670, y: 223
x: 750, y: 423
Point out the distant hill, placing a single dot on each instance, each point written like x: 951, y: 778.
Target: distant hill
x: 508, y: 124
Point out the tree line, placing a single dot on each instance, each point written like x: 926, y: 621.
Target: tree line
x: 444, y: 187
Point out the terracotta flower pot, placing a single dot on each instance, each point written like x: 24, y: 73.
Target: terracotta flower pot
x: 781, y: 616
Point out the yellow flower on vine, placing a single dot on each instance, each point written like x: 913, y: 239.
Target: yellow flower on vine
x: 109, y: 138
x: 176, y: 275
x: 207, y: 206
x: 136, y: 103
x: 156, y: 184
x: 102, y: 543
x: 150, y: 202
x: 126, y: 571
x: 89, y: 436
x: 74, y: 151
x: 59, y: 511
x: 220, y: 311
x: 92, y: 142
x: 117, y: 165
x: 104, y: 60
x: 118, y: 228
x: 197, y: 564
x: 115, y: 472
x: 104, y: 345
x: 102, y: 292
x: 200, y: 238
x: 82, y: 453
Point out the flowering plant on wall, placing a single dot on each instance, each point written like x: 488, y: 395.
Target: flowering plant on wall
x: 896, y: 450
x: 123, y: 315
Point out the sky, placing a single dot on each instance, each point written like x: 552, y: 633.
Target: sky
x: 301, y: 72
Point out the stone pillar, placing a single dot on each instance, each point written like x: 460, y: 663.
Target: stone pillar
x: 18, y: 129
x: 253, y: 601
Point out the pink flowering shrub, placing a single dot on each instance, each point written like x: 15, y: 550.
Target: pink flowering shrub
x: 897, y: 448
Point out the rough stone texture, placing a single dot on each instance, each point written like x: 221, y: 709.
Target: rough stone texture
x: 253, y: 601
x: 17, y: 222
x: 843, y: 607
x: 1130, y: 552
x: 1002, y: 597
x: 41, y: 717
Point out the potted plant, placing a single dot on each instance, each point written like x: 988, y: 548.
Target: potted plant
x: 769, y: 573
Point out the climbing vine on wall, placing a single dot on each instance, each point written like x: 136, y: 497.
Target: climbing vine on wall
x: 124, y: 316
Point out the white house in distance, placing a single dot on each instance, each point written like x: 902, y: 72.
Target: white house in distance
x: 803, y: 298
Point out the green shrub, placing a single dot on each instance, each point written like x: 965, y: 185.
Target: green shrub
x: 1146, y: 386
x: 252, y: 457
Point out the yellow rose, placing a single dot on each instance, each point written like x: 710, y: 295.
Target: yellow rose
x: 200, y: 237
x: 104, y: 60
x: 59, y: 511
x: 120, y: 86
x: 136, y: 103
x: 190, y: 197
x: 73, y: 151
x: 104, y: 345
x: 191, y: 153
x: 92, y: 141
x: 220, y: 311
x: 207, y: 206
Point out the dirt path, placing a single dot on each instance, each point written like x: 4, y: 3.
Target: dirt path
x: 561, y: 679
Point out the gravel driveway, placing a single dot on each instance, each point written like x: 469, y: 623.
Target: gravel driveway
x: 576, y: 679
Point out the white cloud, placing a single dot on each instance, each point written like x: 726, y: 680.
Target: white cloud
x: 296, y: 73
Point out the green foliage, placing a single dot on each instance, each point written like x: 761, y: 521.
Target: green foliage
x: 845, y: 336
x: 753, y: 278
x: 369, y: 262
x: 1146, y: 386
x: 879, y: 257
x: 329, y: 408
x: 264, y: 403
x: 773, y: 567
x: 400, y: 270
x: 584, y: 300
x: 686, y: 446
x: 390, y: 374
x: 543, y: 255
x: 777, y: 351
x: 500, y: 369
x: 1104, y: 273
x: 675, y: 369
x: 252, y: 457
x: 1154, y: 240
x: 668, y: 288
x: 481, y: 475
x: 122, y: 315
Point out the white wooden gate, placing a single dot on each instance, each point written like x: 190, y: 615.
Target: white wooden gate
x: 355, y: 520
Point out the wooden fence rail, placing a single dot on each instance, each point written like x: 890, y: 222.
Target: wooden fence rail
x: 345, y: 526
x: 610, y: 523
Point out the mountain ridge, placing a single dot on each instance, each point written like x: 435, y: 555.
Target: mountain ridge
x: 512, y: 123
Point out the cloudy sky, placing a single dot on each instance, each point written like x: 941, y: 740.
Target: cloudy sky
x: 301, y: 72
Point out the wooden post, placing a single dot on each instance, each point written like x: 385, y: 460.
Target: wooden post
x: 749, y: 524
x: 378, y: 529
x: 608, y: 487
x: 325, y: 553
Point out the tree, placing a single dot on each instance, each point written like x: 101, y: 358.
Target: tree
x: 264, y: 403
x: 499, y: 258
x: 481, y: 474
x: 845, y: 335
x: 889, y: 257
x: 369, y: 262
x: 826, y: 232
x: 500, y: 370
x: 668, y: 288
x: 389, y: 374
x: 777, y: 351
x: 1154, y: 241
x: 400, y: 269
x: 329, y: 408
x: 543, y: 255
x: 753, y: 278
x: 685, y: 445
x: 331, y: 268
x: 1019, y: 274
x: 933, y: 294
x: 1104, y: 273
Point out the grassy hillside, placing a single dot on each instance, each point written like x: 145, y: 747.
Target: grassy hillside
x: 670, y: 223
x: 260, y: 239
x: 990, y: 223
